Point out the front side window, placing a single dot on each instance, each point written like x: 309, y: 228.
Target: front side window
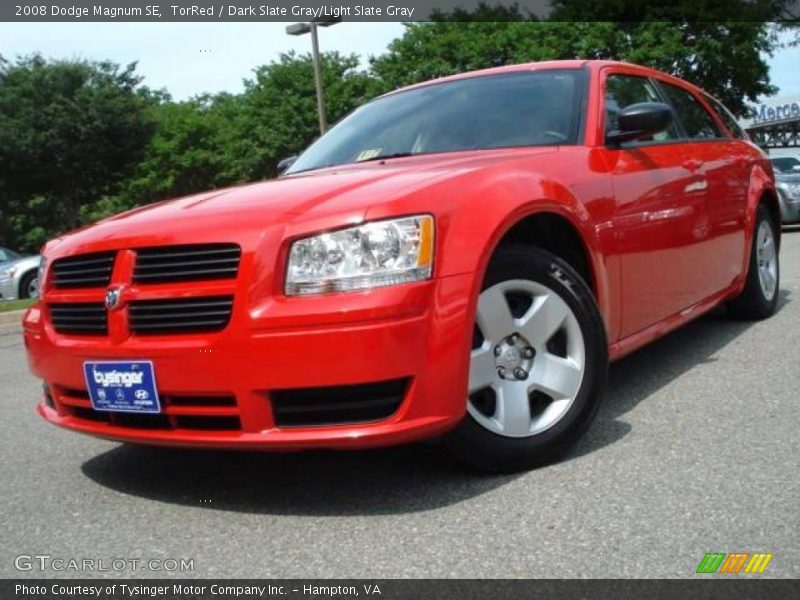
x: 696, y: 121
x: 624, y: 90
x: 6, y: 254
x: 530, y: 108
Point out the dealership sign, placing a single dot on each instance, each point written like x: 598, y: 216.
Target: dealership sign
x: 777, y: 109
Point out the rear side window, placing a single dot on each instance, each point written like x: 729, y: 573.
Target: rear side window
x: 727, y: 117
x: 697, y: 123
x: 624, y: 90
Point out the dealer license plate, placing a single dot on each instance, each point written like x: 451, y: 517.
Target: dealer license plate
x: 122, y: 386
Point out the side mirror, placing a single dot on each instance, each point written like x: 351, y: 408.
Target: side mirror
x: 286, y: 163
x: 640, y: 120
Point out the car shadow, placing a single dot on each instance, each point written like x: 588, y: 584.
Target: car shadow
x: 637, y: 377
x: 404, y: 479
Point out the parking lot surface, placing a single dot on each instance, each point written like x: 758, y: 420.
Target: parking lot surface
x: 696, y: 449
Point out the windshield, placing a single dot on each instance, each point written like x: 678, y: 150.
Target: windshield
x: 7, y: 255
x: 531, y: 108
x: 786, y: 165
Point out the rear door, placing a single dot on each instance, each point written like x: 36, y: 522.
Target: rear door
x: 661, y: 218
x: 721, y: 163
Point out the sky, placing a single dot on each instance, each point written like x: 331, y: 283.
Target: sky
x: 191, y: 58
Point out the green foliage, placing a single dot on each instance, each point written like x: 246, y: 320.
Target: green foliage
x: 80, y: 141
x: 281, y: 110
x: 723, y: 58
x: 70, y: 132
x: 215, y: 141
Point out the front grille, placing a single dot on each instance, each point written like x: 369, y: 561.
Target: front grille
x: 337, y: 405
x: 83, y: 270
x: 194, y: 262
x: 185, y: 315
x: 87, y: 318
x: 198, y: 413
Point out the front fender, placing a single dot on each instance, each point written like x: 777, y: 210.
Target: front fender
x: 476, y: 209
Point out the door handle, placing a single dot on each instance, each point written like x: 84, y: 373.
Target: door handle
x: 692, y: 164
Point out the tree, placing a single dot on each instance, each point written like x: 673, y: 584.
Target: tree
x: 281, y: 104
x: 71, y: 131
x: 725, y: 58
x: 189, y: 151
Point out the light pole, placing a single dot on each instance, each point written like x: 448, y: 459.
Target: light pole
x: 302, y: 29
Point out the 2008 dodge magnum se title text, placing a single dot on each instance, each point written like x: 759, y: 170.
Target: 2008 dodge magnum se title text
x: 459, y: 258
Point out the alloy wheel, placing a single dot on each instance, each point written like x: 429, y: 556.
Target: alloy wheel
x: 528, y: 359
x: 33, y: 288
x: 767, y: 259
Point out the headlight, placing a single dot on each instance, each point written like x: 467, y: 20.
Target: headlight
x: 375, y: 254
x: 793, y: 189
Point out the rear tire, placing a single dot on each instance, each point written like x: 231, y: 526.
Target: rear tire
x: 537, y: 367
x: 759, y: 298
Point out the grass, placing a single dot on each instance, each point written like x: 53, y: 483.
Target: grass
x: 8, y: 305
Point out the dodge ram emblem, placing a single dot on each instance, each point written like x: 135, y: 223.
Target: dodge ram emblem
x: 113, y: 296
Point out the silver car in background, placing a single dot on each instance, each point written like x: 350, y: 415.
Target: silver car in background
x: 19, y: 278
x: 787, y: 181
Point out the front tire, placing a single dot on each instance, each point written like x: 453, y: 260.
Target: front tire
x: 28, y: 286
x: 759, y: 299
x: 537, y: 367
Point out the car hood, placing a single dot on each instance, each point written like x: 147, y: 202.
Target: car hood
x: 348, y: 191
x: 24, y: 262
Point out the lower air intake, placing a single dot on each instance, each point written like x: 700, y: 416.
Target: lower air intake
x: 338, y: 405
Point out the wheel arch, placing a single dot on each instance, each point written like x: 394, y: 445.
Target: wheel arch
x: 557, y: 228
x: 761, y: 191
x: 23, y: 276
x: 770, y: 199
x: 555, y: 233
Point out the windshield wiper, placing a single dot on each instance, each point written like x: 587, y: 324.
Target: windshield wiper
x: 385, y: 156
x: 358, y: 162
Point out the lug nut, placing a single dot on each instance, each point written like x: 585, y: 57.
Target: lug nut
x: 497, y: 350
x: 514, y: 338
x: 520, y: 373
x: 501, y: 371
x: 528, y: 352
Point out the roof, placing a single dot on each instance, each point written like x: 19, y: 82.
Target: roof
x: 544, y: 65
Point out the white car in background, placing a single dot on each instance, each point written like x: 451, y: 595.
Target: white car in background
x: 787, y: 182
x: 19, y: 277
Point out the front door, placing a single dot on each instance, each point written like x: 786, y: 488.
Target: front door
x: 661, y: 218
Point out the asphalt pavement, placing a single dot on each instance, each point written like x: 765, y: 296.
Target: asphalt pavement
x: 695, y: 450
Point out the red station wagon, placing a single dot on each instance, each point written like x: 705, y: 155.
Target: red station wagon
x: 460, y: 258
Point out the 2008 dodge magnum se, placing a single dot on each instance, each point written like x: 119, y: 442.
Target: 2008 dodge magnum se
x: 457, y: 259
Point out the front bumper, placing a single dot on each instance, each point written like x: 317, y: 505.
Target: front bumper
x: 419, y: 333
x: 8, y: 289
